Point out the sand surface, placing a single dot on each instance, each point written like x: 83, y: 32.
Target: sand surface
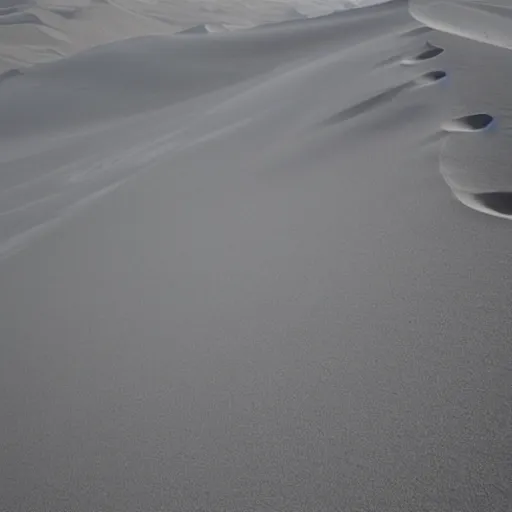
x: 239, y: 272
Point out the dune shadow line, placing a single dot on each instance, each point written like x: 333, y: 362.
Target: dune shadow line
x: 366, y: 105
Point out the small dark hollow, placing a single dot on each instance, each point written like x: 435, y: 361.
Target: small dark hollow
x: 476, y: 121
x: 430, y: 53
x: 435, y: 75
x: 500, y: 202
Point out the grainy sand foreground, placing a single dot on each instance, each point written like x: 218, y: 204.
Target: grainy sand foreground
x: 238, y: 272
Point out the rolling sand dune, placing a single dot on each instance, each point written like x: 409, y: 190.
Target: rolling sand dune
x: 126, y: 77
x: 63, y: 27
x: 238, y: 272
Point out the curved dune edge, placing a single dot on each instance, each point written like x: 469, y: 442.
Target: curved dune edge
x: 465, y: 20
x: 482, y: 202
x: 469, y: 124
x: 497, y: 203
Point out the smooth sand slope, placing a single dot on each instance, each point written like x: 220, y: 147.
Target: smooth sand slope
x: 233, y: 277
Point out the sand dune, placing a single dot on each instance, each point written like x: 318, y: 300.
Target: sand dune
x: 127, y: 77
x: 237, y: 269
x: 64, y: 27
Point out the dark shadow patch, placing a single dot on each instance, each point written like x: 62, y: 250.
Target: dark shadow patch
x: 430, y: 53
x: 471, y: 123
x: 415, y: 32
x: 366, y: 105
x: 499, y: 202
x: 477, y: 121
x: 9, y: 74
x: 433, y: 76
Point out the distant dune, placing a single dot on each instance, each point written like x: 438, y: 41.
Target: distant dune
x: 53, y: 28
